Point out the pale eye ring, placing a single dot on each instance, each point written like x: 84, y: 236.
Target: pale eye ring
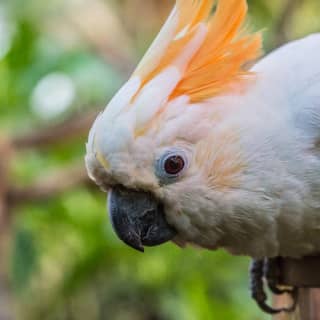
x: 171, y: 165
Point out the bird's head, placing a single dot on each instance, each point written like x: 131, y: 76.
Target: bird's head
x: 153, y: 148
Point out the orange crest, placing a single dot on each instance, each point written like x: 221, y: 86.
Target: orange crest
x: 222, y: 58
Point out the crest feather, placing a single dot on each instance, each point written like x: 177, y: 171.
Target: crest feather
x: 220, y: 60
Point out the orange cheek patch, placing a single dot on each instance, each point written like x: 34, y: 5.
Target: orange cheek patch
x: 219, y: 158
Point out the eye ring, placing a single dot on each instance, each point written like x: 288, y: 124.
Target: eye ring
x: 171, y: 165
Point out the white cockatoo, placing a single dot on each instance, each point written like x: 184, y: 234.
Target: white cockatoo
x: 204, y: 146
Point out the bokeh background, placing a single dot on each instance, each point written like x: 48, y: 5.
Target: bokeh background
x: 60, y: 62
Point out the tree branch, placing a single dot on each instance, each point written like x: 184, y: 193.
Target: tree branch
x: 101, y: 47
x: 71, y: 128
x: 48, y: 187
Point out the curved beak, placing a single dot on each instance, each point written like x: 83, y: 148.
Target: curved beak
x: 138, y: 218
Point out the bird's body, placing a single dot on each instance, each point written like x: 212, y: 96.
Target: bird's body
x: 271, y: 206
x: 284, y: 149
x: 248, y: 147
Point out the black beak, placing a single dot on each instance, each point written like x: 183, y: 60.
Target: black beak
x: 138, y: 218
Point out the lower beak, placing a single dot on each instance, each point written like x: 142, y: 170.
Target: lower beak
x: 138, y: 218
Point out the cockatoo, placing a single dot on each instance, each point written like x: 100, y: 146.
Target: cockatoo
x: 205, y: 146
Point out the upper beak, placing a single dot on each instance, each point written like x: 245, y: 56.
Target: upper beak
x: 138, y: 218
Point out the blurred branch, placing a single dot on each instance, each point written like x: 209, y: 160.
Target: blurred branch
x: 108, y: 53
x: 71, y: 128
x: 48, y: 187
x: 284, y: 21
x: 102, y: 30
x: 6, y: 152
x: 6, y: 304
x: 77, y: 125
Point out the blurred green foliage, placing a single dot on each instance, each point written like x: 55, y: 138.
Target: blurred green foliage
x: 66, y: 263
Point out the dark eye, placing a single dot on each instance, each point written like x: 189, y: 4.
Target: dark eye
x: 171, y: 165
x: 174, y: 164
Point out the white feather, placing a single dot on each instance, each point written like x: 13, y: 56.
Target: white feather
x: 121, y: 99
x: 153, y: 56
x: 291, y: 75
x: 118, y: 137
x: 155, y: 94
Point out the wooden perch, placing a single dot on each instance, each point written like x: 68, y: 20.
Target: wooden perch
x: 304, y: 274
x: 6, y: 305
